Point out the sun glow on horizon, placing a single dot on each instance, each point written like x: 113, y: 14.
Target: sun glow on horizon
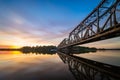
x: 14, y: 47
x: 10, y: 46
x: 22, y: 26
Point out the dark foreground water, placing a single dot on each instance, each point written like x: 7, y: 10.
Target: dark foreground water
x: 18, y: 66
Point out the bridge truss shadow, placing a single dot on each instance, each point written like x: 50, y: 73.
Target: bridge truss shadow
x: 84, y: 69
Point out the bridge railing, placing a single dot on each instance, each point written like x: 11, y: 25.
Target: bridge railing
x: 105, y: 17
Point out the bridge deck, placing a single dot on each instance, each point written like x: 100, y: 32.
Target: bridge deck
x: 102, y: 23
x: 106, y: 34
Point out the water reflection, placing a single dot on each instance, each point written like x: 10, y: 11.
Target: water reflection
x: 105, y: 56
x: 37, y: 53
x: 15, y: 65
x: 19, y: 66
x: 84, y: 69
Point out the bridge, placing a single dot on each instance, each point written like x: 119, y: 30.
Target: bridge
x: 102, y: 23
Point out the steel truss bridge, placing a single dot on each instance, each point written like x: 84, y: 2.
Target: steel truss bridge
x: 102, y: 23
x: 85, y: 69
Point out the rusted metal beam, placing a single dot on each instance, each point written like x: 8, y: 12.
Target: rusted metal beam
x: 93, y: 30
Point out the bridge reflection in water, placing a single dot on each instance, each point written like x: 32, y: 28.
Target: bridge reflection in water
x: 84, y: 69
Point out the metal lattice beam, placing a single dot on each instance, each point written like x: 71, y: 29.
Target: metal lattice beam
x: 102, y: 23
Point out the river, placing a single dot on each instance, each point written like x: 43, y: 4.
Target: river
x: 105, y: 56
x: 15, y: 65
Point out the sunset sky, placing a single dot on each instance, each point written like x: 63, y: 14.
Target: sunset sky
x: 44, y: 22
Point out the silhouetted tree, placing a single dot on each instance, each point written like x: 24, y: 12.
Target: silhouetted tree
x: 39, y: 49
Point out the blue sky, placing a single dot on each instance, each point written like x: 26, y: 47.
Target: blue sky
x: 42, y: 22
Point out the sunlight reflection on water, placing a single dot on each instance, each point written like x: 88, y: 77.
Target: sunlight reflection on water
x: 19, y: 66
x: 32, y: 67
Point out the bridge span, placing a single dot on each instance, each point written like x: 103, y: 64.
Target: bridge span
x: 102, y: 23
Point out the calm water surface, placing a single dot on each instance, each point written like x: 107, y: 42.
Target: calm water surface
x: 105, y: 56
x: 18, y: 66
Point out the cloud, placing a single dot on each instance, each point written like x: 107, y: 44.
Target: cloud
x: 21, y: 31
x: 38, y: 27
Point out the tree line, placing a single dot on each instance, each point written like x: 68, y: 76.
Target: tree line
x: 39, y: 49
x: 53, y: 49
